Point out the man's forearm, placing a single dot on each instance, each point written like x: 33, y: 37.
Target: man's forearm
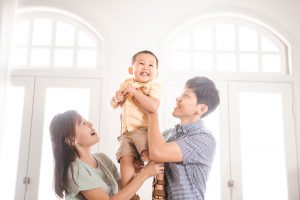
x: 155, y: 139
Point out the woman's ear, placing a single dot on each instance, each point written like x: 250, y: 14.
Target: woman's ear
x: 70, y: 142
x: 130, y: 70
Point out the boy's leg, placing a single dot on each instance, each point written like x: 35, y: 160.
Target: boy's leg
x: 127, y: 169
x: 127, y: 172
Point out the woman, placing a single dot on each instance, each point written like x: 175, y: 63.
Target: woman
x: 80, y: 174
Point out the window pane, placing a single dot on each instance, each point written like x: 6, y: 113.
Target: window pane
x: 18, y: 56
x: 247, y: 39
x: 21, y: 32
x: 268, y: 45
x: 203, y: 38
x: 262, y: 147
x: 180, y: 61
x: 42, y: 32
x: 12, y: 135
x: 182, y: 43
x: 63, y: 58
x: 249, y: 63
x: 203, y: 61
x: 40, y: 57
x: 85, y: 40
x: 226, y: 62
x: 58, y: 100
x: 87, y: 58
x: 271, y: 63
x: 225, y: 37
x: 65, y: 34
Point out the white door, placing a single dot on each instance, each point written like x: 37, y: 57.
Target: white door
x: 51, y: 96
x: 262, y: 138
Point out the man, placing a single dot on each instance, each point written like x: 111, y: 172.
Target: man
x: 189, y: 148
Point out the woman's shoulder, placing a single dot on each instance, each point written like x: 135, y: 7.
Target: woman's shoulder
x: 103, y: 157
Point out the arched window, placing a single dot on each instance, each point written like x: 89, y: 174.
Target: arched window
x: 227, y: 44
x: 51, y: 39
x: 245, y: 58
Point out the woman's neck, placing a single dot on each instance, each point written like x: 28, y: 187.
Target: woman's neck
x: 87, y: 157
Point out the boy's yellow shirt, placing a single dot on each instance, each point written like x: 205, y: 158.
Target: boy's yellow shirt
x: 133, y: 117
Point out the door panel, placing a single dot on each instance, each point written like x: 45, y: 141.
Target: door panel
x: 52, y: 96
x: 262, y: 141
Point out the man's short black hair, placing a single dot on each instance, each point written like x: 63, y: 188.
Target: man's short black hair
x: 206, y: 92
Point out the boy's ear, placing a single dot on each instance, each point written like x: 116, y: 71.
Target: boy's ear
x: 130, y: 70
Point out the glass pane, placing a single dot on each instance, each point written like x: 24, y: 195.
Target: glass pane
x: 58, y: 100
x: 268, y: 45
x: 226, y: 62
x: 271, y: 63
x: 21, y: 32
x: 85, y: 40
x: 40, y: 57
x: 180, y: 61
x: 87, y: 58
x: 18, y: 56
x: 249, y: 63
x: 63, y: 58
x: 225, y: 37
x: 182, y: 43
x: 42, y: 32
x: 262, y: 147
x: 247, y: 39
x: 203, y: 39
x: 12, y: 135
x: 203, y: 61
x: 213, y: 191
x: 65, y: 34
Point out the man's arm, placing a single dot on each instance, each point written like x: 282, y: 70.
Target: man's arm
x: 159, y: 150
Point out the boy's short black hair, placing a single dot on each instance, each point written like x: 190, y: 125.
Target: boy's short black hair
x: 206, y: 92
x: 145, y: 52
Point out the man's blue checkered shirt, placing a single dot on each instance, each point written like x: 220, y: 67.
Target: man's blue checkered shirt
x: 186, y: 180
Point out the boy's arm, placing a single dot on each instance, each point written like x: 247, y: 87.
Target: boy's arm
x: 113, y: 102
x: 117, y: 100
x: 159, y: 150
x: 149, y: 103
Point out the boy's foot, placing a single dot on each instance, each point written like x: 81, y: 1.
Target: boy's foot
x: 159, y: 187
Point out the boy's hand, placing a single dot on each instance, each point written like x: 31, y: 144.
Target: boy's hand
x: 119, y: 97
x: 129, y: 90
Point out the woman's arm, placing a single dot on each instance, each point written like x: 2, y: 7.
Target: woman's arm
x: 128, y: 191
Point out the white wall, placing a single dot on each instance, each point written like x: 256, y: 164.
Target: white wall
x: 128, y: 26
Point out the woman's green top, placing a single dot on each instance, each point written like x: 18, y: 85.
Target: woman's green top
x: 84, y: 177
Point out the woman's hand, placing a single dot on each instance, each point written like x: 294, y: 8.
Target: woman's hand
x: 152, y: 168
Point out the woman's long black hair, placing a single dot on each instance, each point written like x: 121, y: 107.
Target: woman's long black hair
x: 62, y: 132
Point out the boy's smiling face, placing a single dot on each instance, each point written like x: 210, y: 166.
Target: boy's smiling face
x: 144, y: 68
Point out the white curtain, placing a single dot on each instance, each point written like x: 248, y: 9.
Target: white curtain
x: 7, y: 15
